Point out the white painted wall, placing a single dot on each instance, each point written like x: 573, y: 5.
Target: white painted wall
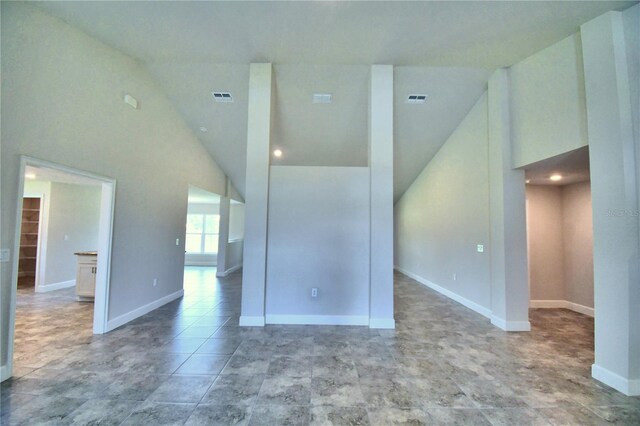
x: 62, y: 102
x: 545, y: 238
x: 445, y: 213
x: 318, y: 237
x: 74, y: 212
x: 548, y: 106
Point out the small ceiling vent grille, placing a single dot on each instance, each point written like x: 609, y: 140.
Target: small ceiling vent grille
x: 222, y: 96
x: 322, y: 98
x: 416, y: 99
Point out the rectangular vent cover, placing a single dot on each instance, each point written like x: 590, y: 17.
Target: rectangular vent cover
x: 322, y: 98
x: 416, y: 99
x: 222, y: 96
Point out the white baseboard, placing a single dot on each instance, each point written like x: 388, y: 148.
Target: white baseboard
x: 561, y: 304
x: 199, y: 263
x: 130, y: 316
x: 55, y: 286
x: 629, y: 387
x: 382, y: 323
x: 251, y: 321
x: 222, y: 274
x: 510, y: 325
x: 318, y: 319
x: 451, y: 295
x: 4, y: 373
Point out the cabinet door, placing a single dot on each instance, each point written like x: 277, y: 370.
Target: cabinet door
x: 85, y: 280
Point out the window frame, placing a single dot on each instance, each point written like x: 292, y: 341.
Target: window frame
x: 203, y: 234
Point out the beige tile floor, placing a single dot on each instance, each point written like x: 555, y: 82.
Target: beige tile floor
x: 189, y: 363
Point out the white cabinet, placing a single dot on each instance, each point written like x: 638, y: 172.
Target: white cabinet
x: 86, y: 268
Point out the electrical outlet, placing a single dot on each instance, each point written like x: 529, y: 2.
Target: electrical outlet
x: 314, y: 292
x: 480, y: 248
x: 454, y: 277
x: 4, y: 255
x: 155, y: 282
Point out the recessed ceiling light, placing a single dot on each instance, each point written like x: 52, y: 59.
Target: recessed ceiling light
x: 203, y: 129
x: 322, y: 98
x: 555, y: 177
x: 277, y: 153
x: 222, y: 96
x: 416, y: 99
x: 30, y: 175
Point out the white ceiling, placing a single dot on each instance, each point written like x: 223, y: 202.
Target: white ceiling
x: 444, y: 49
x: 572, y: 166
x: 51, y: 175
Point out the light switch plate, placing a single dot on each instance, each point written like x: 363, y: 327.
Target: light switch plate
x: 4, y: 255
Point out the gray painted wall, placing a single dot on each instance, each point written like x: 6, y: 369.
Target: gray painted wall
x: 74, y: 212
x: 545, y: 241
x: 236, y: 222
x: 318, y: 237
x: 445, y: 214
x: 578, y: 243
x: 62, y: 101
x: 548, y: 87
x: 560, y: 234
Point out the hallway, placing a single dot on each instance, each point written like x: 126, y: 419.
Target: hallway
x: 189, y: 363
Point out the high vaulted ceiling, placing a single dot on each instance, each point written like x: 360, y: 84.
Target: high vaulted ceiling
x: 444, y: 49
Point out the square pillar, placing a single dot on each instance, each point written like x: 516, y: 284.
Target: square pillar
x: 381, y: 181
x: 223, y: 237
x: 614, y: 192
x: 256, y: 195
x: 509, y: 268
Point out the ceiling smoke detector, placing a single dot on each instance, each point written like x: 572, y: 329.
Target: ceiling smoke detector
x: 222, y: 96
x: 416, y: 99
x: 322, y: 98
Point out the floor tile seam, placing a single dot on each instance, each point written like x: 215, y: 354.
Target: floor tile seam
x: 590, y: 409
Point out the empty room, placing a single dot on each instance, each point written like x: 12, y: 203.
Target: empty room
x: 320, y: 212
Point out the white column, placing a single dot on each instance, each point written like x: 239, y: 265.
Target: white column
x: 508, y: 248
x: 256, y: 195
x: 615, y: 204
x: 223, y: 237
x: 381, y: 169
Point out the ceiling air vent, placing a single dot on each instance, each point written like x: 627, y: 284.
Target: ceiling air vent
x: 222, y: 96
x: 322, y: 98
x: 416, y: 99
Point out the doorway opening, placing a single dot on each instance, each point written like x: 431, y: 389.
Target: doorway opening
x: 29, y: 238
x: 560, y: 244
x: 202, y: 228
x: 60, y: 276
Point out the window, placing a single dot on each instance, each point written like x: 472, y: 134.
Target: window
x: 202, y: 233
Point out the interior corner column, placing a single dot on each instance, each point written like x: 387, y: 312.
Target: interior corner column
x: 223, y: 237
x: 508, y: 248
x: 381, y: 174
x: 256, y: 195
x: 614, y: 195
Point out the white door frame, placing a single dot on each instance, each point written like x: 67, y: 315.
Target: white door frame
x: 105, y: 233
